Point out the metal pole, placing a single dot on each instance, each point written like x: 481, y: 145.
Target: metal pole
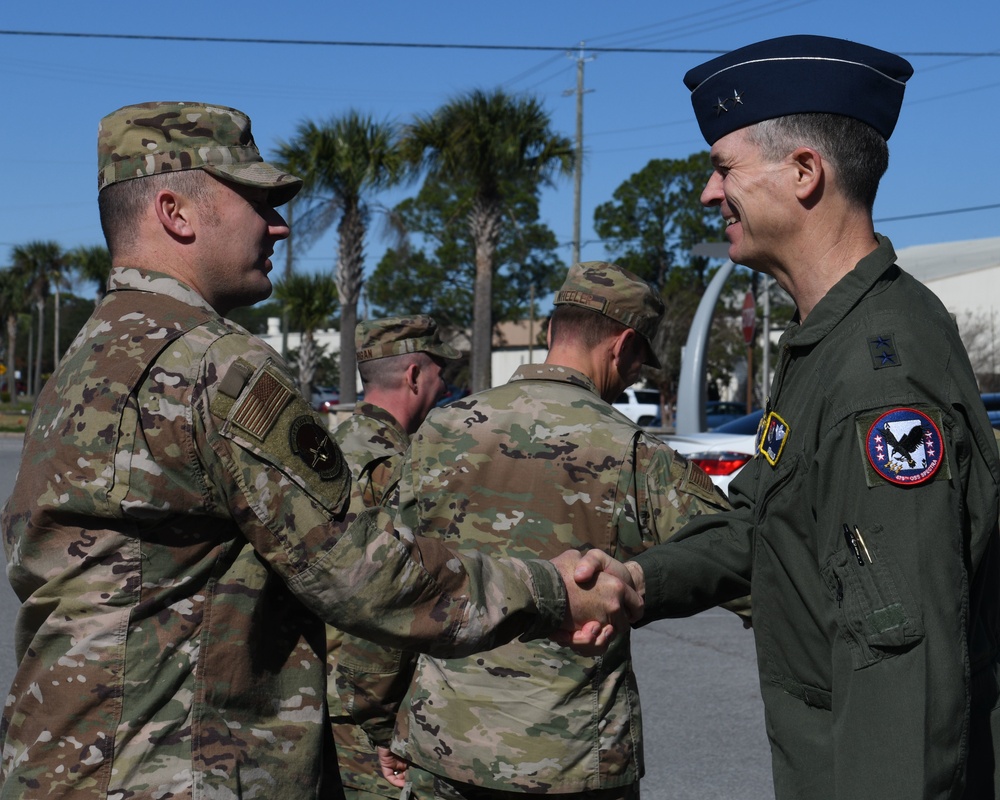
x: 578, y: 166
x: 288, y: 274
x: 578, y: 154
x: 55, y: 326
x: 531, y: 323
x: 691, y: 387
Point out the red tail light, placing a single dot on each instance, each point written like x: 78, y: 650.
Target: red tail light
x: 719, y: 463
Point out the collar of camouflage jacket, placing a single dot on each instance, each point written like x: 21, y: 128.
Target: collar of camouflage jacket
x: 553, y: 372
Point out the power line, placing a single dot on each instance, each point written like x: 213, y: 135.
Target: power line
x: 877, y: 221
x: 715, y: 20
x: 343, y: 43
x: 937, y: 213
x: 149, y: 37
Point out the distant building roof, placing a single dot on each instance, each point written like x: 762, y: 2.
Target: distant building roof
x: 928, y: 262
x: 519, y: 333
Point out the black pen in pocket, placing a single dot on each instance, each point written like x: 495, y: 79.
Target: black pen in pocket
x: 852, y: 543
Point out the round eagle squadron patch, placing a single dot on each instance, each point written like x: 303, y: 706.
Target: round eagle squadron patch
x: 905, y: 446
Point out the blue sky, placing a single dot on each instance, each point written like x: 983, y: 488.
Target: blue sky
x: 56, y: 89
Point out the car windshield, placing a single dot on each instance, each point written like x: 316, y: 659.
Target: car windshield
x: 747, y: 424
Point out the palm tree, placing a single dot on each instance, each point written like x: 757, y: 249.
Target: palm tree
x: 288, y: 159
x: 92, y: 263
x: 41, y: 263
x: 310, y: 301
x: 344, y: 162
x: 489, y: 141
x: 13, y: 299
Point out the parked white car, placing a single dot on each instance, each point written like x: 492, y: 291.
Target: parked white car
x: 324, y: 396
x: 722, y: 453
x: 641, y: 406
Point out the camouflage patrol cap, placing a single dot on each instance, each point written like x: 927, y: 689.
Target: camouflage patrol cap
x: 395, y: 336
x: 151, y: 138
x: 615, y: 293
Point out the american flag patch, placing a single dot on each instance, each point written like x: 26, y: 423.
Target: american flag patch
x: 261, y: 405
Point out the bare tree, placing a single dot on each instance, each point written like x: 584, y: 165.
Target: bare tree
x: 979, y: 334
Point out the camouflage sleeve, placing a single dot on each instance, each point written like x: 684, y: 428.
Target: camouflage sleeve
x: 372, y: 682
x: 678, y: 490
x: 671, y: 490
x: 285, y: 483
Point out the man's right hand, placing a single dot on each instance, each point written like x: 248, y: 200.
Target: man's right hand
x: 602, y: 600
x: 596, y: 561
x: 393, y: 768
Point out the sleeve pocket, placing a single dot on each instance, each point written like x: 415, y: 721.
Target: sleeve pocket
x: 876, y: 614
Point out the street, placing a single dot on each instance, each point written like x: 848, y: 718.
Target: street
x: 702, y: 714
x: 10, y: 458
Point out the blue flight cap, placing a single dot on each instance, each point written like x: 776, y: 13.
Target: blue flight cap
x: 797, y: 75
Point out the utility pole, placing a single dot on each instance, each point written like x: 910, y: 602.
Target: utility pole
x: 289, y: 266
x: 578, y: 166
x: 531, y: 322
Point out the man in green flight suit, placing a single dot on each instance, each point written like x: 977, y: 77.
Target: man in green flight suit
x: 866, y: 524
x: 400, y: 360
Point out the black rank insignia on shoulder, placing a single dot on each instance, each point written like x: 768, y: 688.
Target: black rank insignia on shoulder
x: 883, y: 351
x: 312, y: 443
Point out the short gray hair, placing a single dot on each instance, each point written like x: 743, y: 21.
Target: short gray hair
x: 858, y: 153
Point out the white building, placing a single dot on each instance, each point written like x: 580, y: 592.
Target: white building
x: 514, y: 343
x: 964, y: 275
x: 328, y: 339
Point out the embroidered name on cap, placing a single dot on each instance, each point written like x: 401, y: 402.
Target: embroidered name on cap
x: 905, y: 446
x: 582, y: 299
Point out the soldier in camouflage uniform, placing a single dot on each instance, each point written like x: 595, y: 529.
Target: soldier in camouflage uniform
x: 177, y: 530
x: 400, y: 360
x: 528, y: 469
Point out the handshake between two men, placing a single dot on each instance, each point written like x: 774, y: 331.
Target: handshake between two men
x: 605, y: 597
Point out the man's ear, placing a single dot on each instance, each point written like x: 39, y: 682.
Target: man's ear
x: 809, y: 168
x: 412, y: 376
x: 623, y: 344
x: 174, y: 212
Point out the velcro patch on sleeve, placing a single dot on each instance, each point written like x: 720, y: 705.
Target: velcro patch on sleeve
x: 697, y: 477
x: 902, y: 446
x: 772, y: 434
x: 236, y: 378
x: 273, y: 421
x: 312, y: 443
x: 260, y: 406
